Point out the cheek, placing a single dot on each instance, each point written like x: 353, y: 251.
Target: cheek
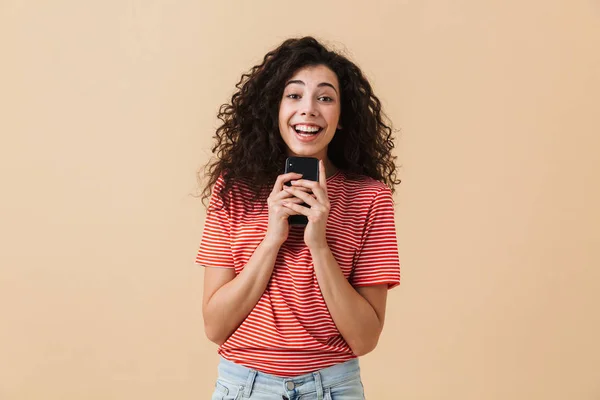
x: 333, y: 118
x: 282, y: 121
x: 284, y: 115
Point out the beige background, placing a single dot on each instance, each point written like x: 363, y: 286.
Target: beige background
x: 107, y: 109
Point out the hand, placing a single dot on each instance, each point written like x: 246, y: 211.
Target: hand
x: 278, y: 227
x: 317, y: 211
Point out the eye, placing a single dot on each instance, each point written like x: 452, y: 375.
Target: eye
x: 325, y: 98
x: 293, y: 96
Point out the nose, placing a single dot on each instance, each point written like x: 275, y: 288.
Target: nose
x: 309, y: 107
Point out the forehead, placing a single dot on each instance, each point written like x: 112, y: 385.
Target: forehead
x: 316, y: 74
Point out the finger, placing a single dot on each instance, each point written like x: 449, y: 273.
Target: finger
x: 288, y: 206
x: 322, y: 174
x: 279, y: 209
x: 298, y: 209
x: 286, y: 195
x: 307, y: 198
x: 300, y: 188
x: 322, y: 192
x: 281, y: 179
x: 287, y: 210
x: 305, y: 183
x: 315, y: 187
x: 294, y: 200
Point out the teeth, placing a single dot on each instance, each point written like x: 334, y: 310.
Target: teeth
x: 307, y: 128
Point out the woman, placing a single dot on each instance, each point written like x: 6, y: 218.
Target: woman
x: 292, y: 307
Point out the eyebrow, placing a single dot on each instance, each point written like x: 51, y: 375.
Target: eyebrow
x: 299, y: 82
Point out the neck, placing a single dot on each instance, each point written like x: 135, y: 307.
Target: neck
x: 330, y: 169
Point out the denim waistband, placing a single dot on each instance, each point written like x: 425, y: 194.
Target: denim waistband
x: 317, y: 381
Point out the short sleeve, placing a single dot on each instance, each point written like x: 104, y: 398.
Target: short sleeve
x: 215, y: 246
x: 377, y: 259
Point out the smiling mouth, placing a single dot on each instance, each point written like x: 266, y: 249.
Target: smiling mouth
x: 307, y: 130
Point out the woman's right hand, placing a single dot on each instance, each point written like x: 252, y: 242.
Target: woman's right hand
x: 278, y: 227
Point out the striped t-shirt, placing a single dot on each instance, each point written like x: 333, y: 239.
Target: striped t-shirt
x: 290, y: 331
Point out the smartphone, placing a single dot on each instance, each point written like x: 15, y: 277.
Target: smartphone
x: 309, y: 168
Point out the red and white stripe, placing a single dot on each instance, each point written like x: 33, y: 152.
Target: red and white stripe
x: 290, y: 331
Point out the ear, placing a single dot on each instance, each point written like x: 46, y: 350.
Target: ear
x: 339, y: 127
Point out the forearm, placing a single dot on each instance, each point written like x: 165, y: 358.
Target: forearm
x: 230, y: 304
x: 354, y: 317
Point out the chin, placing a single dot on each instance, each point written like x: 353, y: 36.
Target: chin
x: 305, y: 152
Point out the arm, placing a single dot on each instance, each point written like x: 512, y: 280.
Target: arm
x: 228, y: 299
x: 358, y: 313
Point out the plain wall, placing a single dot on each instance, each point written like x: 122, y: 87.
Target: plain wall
x: 107, y: 109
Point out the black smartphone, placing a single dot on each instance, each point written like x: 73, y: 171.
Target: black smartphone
x: 309, y: 168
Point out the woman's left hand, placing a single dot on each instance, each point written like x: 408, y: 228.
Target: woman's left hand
x: 317, y: 210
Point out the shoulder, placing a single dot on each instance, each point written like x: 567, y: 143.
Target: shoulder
x: 234, y: 187
x: 237, y: 195
x: 359, y: 185
x: 222, y: 194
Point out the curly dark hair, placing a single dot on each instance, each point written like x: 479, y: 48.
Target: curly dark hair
x: 249, y: 148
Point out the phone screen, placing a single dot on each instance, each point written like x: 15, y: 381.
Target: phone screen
x: 309, y: 168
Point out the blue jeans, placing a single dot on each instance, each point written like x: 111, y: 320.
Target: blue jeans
x: 338, y: 382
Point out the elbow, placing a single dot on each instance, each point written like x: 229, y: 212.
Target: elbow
x: 365, y: 342
x: 213, y: 330
x: 214, y: 335
x: 363, y: 347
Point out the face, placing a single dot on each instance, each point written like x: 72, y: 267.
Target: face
x: 309, y: 112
